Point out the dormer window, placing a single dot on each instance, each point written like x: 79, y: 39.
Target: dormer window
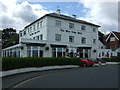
x: 112, y: 39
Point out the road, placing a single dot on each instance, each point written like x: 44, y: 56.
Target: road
x: 88, y: 77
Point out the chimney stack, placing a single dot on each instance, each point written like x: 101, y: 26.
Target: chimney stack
x: 58, y: 11
x: 74, y: 15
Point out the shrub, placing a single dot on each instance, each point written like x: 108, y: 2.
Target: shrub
x: 113, y: 59
x: 9, y: 63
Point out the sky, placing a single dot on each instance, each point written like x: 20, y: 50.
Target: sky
x: 19, y: 13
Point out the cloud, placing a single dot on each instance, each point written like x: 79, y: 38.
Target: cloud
x: 69, y: 6
x: 104, y: 14
x: 17, y: 15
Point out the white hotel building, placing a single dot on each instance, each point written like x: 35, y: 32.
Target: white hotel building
x: 56, y: 35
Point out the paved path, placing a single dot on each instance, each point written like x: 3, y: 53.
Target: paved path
x: 90, y: 77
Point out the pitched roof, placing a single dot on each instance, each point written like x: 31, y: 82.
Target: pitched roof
x: 117, y: 34
x: 101, y: 37
x: 61, y: 16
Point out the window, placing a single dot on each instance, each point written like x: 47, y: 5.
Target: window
x: 83, y: 27
x: 71, y: 38
x: 29, y: 51
x: 37, y: 25
x: 81, y: 53
x: 35, y: 51
x: 86, y: 53
x: 71, y: 25
x: 83, y: 40
x: 21, y: 34
x: 33, y: 37
x: 41, y: 23
x: 58, y: 23
x: 37, y: 37
x: 57, y: 37
x: 34, y: 27
x: 30, y: 29
x: 103, y: 54
x: 24, y: 32
x: 41, y: 37
x: 94, y: 41
x: 94, y: 29
x: 112, y: 39
x: 58, y: 52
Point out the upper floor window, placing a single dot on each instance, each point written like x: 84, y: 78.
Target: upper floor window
x: 34, y: 27
x: 37, y: 25
x: 41, y: 37
x: 57, y: 37
x: 83, y: 27
x: 21, y: 34
x: 30, y: 29
x: 58, y: 23
x: 94, y: 29
x: 71, y: 38
x: 112, y: 39
x: 94, y: 41
x: 24, y: 32
x: 41, y: 23
x: 37, y: 37
x: 83, y: 40
x: 71, y: 25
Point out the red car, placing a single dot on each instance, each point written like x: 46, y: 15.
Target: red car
x: 86, y: 62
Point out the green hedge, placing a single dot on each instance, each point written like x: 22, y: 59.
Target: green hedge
x: 113, y: 59
x: 9, y: 63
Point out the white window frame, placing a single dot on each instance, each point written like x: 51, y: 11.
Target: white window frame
x: 57, y: 37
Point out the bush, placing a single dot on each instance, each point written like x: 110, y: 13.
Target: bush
x: 9, y: 63
x: 113, y: 59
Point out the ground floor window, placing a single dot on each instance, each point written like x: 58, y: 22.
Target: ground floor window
x: 15, y: 52
x: 58, y: 52
x: 84, y: 53
x: 118, y: 54
x: 34, y: 51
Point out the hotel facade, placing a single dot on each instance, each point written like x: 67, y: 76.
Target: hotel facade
x: 56, y: 35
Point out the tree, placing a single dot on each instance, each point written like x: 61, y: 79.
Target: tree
x: 9, y: 37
